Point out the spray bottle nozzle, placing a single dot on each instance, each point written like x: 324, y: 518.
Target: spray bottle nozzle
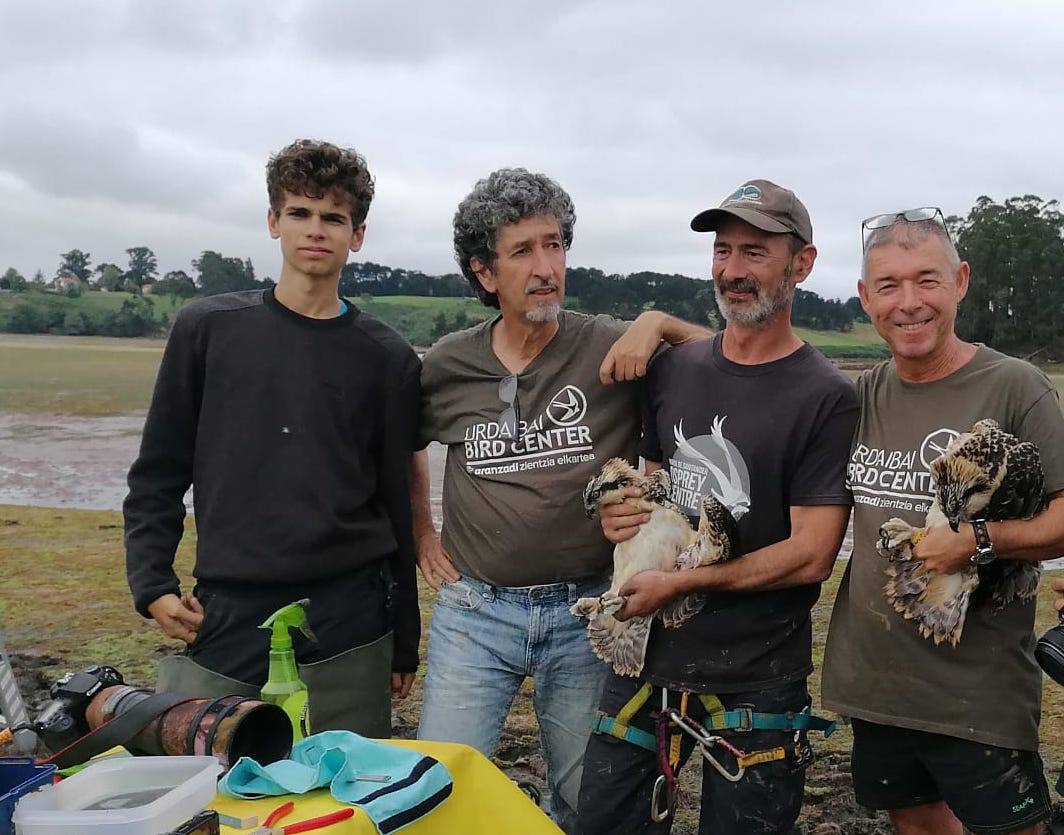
x: 292, y: 616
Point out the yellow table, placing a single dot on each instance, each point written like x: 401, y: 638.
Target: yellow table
x: 484, y: 801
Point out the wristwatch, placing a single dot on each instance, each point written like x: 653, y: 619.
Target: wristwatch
x: 984, y: 548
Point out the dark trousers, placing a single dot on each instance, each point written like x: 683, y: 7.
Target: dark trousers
x: 344, y: 612
x: 619, y: 776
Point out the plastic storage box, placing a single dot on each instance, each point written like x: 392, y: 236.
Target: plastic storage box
x: 121, y: 796
x: 19, y: 776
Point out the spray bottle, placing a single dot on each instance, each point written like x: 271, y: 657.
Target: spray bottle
x: 283, y: 686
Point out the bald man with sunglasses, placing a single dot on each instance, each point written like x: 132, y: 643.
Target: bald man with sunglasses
x: 945, y: 737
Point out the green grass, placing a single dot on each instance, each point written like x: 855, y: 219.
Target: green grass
x: 863, y: 335
x: 65, y: 598
x: 861, y: 343
x: 89, y: 375
x: 66, y: 602
x: 416, y: 317
x: 445, y: 304
x: 93, y: 303
x: 77, y: 375
x: 1056, y: 376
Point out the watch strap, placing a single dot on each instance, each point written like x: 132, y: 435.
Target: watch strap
x: 984, y: 547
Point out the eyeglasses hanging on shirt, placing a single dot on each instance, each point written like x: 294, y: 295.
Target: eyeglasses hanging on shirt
x: 509, y: 417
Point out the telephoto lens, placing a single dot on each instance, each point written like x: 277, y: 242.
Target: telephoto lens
x: 1049, y: 652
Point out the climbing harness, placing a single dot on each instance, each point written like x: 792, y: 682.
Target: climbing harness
x: 667, y: 743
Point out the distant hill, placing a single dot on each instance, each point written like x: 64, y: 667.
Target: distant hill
x: 420, y: 306
x: 623, y: 296
x: 420, y: 319
x: 88, y: 313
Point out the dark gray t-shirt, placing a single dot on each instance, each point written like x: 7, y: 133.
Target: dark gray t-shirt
x: 513, y: 510
x: 876, y: 665
x: 767, y: 437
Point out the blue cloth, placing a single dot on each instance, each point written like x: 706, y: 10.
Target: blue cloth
x: 483, y: 641
x: 417, y: 784
x: 343, y: 307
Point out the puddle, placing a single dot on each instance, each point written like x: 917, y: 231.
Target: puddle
x: 82, y: 462
x: 66, y: 460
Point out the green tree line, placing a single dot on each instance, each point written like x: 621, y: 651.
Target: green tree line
x: 1015, y: 296
x: 1015, y: 300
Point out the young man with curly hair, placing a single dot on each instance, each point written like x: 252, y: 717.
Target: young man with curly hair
x: 293, y: 415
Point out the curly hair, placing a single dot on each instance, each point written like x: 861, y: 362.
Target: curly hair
x: 315, y: 169
x: 505, y: 196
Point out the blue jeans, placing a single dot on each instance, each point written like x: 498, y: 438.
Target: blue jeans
x: 483, y: 641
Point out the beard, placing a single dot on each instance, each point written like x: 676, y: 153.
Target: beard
x: 767, y: 302
x: 547, y: 311
x: 543, y: 312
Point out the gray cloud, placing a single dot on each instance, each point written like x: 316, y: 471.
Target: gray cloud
x: 132, y: 123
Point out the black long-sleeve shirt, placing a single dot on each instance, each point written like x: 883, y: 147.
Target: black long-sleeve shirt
x: 296, y: 435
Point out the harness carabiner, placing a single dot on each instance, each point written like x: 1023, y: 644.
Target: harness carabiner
x: 658, y: 812
x: 705, y: 740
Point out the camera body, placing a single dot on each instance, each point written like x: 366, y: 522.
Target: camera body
x: 1049, y: 653
x: 63, y: 719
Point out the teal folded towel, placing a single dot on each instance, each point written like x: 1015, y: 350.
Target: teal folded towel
x: 415, y: 784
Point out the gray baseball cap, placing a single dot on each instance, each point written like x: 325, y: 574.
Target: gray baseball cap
x: 762, y: 204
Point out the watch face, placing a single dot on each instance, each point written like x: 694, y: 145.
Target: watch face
x: 983, y: 556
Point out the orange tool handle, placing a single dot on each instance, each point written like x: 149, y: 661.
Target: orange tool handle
x: 277, y: 814
x: 318, y: 823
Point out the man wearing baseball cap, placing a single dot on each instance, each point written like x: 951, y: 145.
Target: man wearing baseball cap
x: 762, y: 421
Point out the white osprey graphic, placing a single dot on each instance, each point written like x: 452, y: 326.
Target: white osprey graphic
x: 729, y: 491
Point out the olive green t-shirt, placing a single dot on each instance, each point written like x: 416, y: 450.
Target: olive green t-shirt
x: 876, y: 666
x: 513, y: 510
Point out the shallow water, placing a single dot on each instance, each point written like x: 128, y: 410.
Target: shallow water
x: 67, y: 461
x: 81, y: 462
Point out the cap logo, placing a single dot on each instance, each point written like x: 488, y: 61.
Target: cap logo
x: 744, y: 193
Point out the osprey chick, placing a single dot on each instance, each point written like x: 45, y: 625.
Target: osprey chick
x: 987, y: 474
x: 666, y: 543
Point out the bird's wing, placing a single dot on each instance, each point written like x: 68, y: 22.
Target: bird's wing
x: 622, y: 644
x: 938, y: 603
x: 681, y: 609
x: 1022, y: 493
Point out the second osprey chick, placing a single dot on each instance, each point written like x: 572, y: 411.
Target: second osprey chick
x: 985, y: 473
x: 666, y: 543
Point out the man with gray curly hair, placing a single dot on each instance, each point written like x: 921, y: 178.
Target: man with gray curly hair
x: 525, y: 406
x: 507, y: 197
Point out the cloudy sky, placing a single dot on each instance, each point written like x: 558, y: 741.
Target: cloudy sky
x: 137, y: 123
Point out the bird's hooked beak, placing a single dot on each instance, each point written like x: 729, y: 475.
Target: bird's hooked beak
x: 591, y: 504
x: 952, y: 508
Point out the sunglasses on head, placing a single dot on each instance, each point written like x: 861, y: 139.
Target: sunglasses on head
x: 870, y: 224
